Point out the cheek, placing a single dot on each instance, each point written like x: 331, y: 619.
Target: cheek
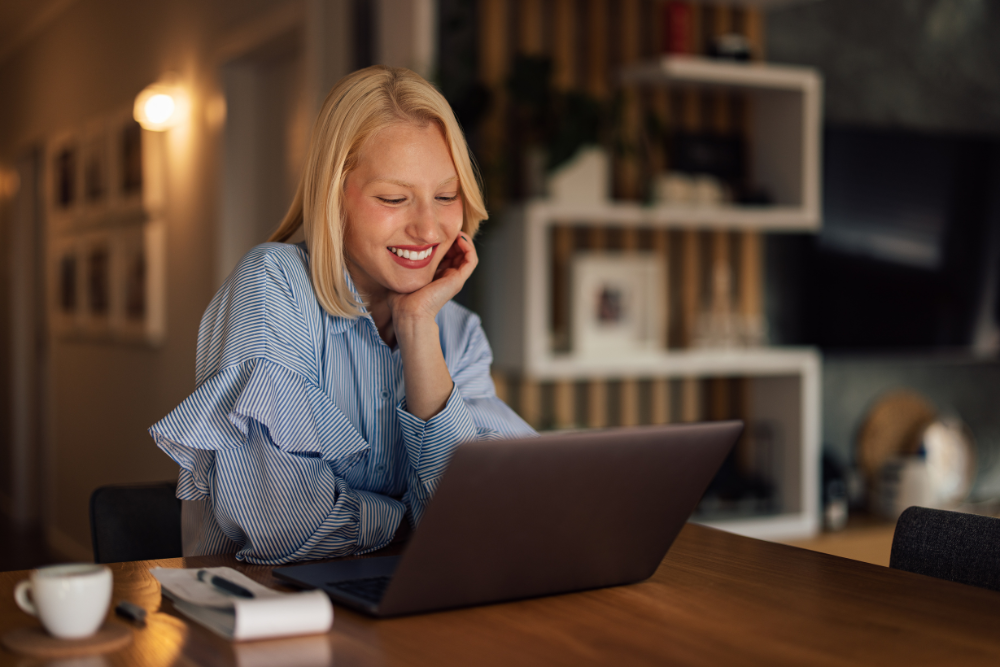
x: 454, y: 219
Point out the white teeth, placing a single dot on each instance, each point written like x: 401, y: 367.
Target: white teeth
x: 411, y: 254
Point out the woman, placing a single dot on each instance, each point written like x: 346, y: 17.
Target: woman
x: 336, y: 377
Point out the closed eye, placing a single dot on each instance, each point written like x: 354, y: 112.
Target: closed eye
x: 447, y: 198
x: 391, y: 200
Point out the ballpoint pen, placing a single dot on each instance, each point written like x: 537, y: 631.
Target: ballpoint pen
x: 224, y: 584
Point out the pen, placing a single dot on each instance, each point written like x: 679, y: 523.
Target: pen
x: 224, y: 584
x: 132, y: 612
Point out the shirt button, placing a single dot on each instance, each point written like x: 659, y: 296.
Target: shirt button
x: 380, y: 467
x: 385, y: 393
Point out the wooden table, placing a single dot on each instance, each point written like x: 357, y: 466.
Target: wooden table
x: 717, y: 599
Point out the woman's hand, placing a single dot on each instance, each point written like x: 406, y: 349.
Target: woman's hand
x: 455, y: 268
x: 428, y: 382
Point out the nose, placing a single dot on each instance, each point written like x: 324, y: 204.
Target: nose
x: 424, y: 225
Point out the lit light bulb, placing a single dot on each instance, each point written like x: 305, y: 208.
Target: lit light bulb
x: 159, y: 108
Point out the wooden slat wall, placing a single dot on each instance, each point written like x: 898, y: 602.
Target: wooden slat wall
x: 588, y: 41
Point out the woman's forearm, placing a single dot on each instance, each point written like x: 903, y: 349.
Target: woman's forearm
x: 428, y: 382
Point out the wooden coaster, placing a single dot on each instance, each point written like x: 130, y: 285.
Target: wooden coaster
x: 36, y: 642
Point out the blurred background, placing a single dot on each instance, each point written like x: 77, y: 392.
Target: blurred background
x: 784, y: 211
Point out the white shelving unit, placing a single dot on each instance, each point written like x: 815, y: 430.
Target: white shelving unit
x: 784, y: 133
x: 784, y: 384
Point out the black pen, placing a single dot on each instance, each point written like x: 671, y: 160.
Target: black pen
x: 224, y: 584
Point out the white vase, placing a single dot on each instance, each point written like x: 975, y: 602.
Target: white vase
x: 585, y: 179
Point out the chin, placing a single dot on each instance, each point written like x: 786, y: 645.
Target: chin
x: 409, y: 286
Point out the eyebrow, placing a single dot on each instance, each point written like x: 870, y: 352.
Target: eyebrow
x: 404, y: 184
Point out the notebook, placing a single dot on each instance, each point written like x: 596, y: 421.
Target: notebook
x: 515, y: 519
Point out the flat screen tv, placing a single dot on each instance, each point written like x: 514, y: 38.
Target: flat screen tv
x: 910, y: 224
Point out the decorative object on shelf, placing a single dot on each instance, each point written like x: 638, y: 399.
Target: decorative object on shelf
x: 678, y: 27
x: 835, y: 493
x: 949, y: 449
x: 730, y: 46
x: 673, y: 188
x: 718, y: 326
x: 618, y: 303
x: 583, y: 180
x: 902, y: 482
x: 893, y: 427
x: 939, y: 475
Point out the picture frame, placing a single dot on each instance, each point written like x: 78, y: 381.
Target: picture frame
x: 619, y: 303
x: 96, y: 257
x: 137, y: 169
x: 65, y: 291
x: 140, y: 283
x: 96, y: 168
x: 64, y: 187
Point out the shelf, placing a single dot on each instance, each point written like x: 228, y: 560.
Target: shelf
x: 680, y: 363
x: 783, y: 384
x: 695, y: 70
x: 617, y: 213
x: 784, y: 107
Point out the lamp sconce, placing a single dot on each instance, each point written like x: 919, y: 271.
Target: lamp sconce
x: 161, y: 106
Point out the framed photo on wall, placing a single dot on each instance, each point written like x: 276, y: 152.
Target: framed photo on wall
x: 65, y: 292
x: 64, y: 189
x: 96, y: 256
x: 619, y: 303
x: 140, y: 283
x: 95, y: 155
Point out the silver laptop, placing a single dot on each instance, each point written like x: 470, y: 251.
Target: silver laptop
x: 516, y: 519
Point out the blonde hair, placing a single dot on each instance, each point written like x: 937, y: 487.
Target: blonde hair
x: 361, y: 104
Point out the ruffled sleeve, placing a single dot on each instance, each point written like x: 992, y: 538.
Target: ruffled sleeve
x: 259, y: 437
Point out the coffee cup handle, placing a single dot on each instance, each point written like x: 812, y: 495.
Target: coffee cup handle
x: 22, y: 599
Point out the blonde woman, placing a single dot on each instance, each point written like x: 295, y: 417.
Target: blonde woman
x: 336, y: 377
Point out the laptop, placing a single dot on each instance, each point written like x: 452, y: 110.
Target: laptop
x: 514, y: 519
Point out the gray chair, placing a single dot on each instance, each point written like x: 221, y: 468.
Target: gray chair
x: 135, y: 522
x: 948, y: 545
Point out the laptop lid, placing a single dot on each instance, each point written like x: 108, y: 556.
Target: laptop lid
x: 522, y: 518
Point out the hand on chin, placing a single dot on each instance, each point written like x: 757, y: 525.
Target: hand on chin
x: 452, y: 272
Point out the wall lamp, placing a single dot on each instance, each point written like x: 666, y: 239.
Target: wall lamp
x: 161, y: 106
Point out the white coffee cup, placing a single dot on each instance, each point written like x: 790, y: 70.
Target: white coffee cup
x: 71, y: 600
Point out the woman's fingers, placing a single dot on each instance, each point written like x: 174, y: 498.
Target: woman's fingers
x: 460, y: 256
x: 455, y: 268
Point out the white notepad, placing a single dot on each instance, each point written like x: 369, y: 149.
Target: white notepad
x: 269, y: 613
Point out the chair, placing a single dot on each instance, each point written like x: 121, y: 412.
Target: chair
x: 948, y: 545
x: 135, y: 522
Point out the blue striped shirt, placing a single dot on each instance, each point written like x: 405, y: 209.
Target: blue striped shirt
x: 297, y: 436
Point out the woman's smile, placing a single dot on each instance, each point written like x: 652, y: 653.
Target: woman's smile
x: 412, y: 257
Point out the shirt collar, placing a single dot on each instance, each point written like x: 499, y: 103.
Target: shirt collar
x: 339, y: 325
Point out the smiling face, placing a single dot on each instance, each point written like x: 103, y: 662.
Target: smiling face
x: 403, y: 209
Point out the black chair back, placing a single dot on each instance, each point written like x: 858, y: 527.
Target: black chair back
x: 135, y: 522
x: 948, y: 545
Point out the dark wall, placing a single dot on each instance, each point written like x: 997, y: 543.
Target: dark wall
x: 927, y: 68
x: 920, y: 64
